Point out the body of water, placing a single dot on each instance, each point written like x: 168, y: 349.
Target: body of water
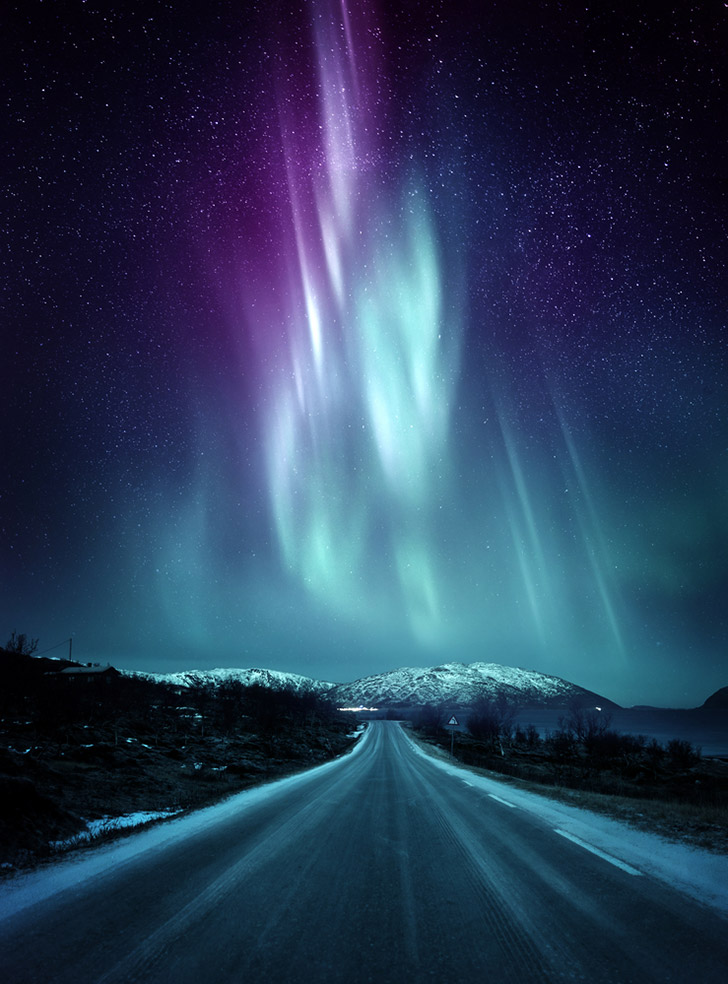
x: 707, y: 729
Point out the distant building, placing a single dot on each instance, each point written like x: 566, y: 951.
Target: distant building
x: 91, y: 673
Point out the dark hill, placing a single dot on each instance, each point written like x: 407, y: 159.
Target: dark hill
x: 718, y: 701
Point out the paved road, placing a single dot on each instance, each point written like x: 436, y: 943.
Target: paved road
x: 381, y: 867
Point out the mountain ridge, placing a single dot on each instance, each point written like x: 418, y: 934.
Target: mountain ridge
x: 461, y: 684
x: 456, y: 684
x: 275, y: 679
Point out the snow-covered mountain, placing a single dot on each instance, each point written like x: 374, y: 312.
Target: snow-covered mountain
x: 275, y: 679
x: 461, y: 684
x: 456, y: 684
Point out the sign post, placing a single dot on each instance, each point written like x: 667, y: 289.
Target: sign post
x: 452, y: 724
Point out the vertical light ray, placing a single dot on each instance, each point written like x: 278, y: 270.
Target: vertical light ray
x: 357, y: 446
x: 527, y: 573
x: 594, y: 544
x: 420, y: 591
x: 305, y: 278
x: 406, y: 383
x: 525, y: 534
x: 346, y: 21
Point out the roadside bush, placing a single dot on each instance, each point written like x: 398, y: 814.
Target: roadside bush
x: 635, y: 744
x: 682, y: 754
x: 655, y: 753
x: 527, y: 737
x: 604, y: 745
x: 561, y: 744
x: 269, y: 710
x: 611, y: 745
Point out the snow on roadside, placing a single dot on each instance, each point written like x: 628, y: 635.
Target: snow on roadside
x: 700, y: 874
x: 28, y: 888
x: 96, y: 828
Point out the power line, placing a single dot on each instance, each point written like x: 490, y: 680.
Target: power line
x: 51, y: 648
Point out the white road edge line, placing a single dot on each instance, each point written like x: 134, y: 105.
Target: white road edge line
x: 600, y: 854
x: 504, y: 802
x: 468, y: 783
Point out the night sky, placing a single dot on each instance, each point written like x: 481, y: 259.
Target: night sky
x: 336, y: 339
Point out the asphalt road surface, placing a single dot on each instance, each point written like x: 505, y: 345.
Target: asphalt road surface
x: 379, y: 867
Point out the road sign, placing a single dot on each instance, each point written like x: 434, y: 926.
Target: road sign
x: 452, y: 724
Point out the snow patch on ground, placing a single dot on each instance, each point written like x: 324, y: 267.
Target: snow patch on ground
x: 700, y: 874
x: 96, y: 828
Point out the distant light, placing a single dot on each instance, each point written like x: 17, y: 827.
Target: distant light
x: 357, y: 708
x: 597, y: 708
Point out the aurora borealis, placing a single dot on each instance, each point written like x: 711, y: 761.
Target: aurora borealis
x: 357, y: 435
x: 350, y: 337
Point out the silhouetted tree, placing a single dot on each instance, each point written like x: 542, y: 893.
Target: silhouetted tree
x: 20, y: 644
x: 263, y: 707
x: 231, y: 699
x: 682, y: 754
x: 655, y: 754
x: 201, y: 696
x: 491, y: 720
x: 584, y: 723
x: 527, y: 737
x: 430, y: 718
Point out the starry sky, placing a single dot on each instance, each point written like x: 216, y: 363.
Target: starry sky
x: 341, y: 337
